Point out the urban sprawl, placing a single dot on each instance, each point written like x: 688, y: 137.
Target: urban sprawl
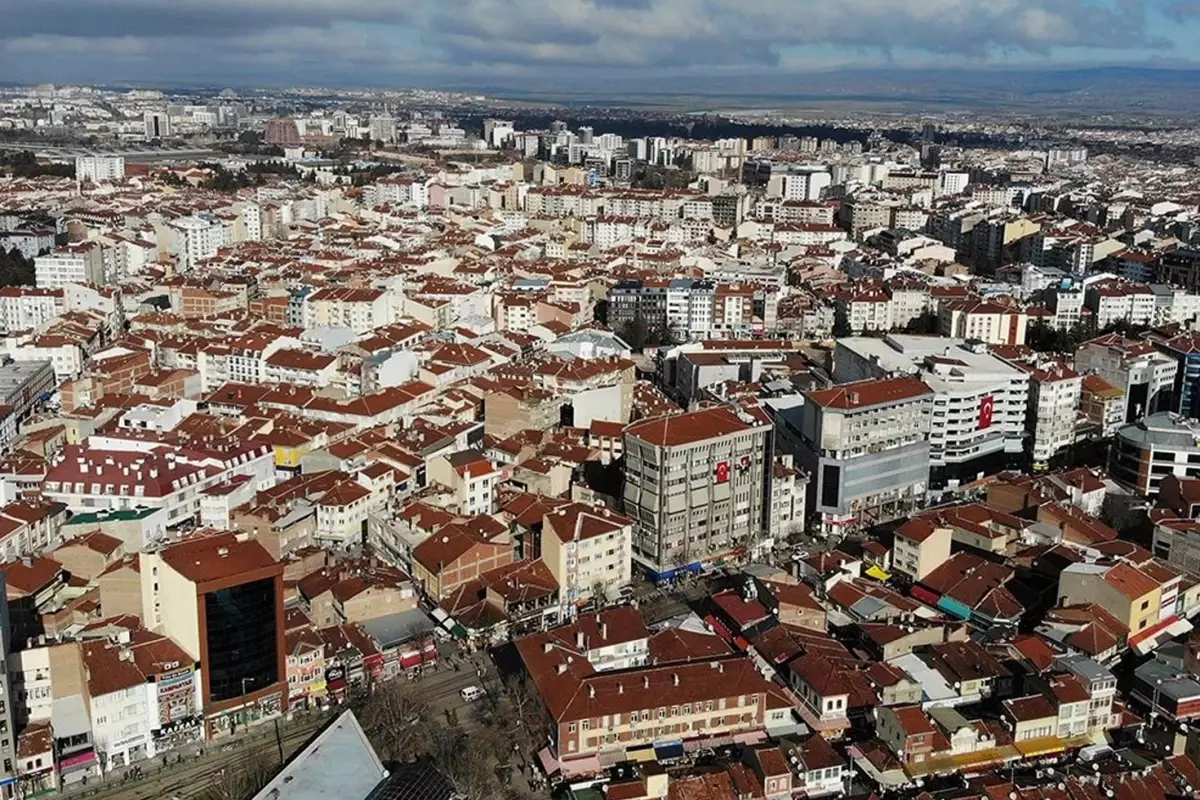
x: 379, y: 445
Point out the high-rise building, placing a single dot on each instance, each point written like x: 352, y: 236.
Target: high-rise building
x: 866, y: 446
x: 283, y: 132
x: 221, y: 600
x: 8, y: 733
x: 99, y: 169
x: 697, y: 486
x: 158, y: 125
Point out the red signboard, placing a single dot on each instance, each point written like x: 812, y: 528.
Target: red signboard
x: 722, y: 472
x: 987, y: 406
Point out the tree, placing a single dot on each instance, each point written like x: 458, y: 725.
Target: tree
x: 16, y: 269
x: 635, y: 333
x: 841, y: 328
x: 242, y: 781
x: 395, y: 718
x: 466, y: 762
x: 926, y: 322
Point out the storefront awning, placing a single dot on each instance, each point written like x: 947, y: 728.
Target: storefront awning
x: 547, y: 761
x: 410, y: 660
x: 1041, y: 746
x: 641, y: 753
x: 877, y: 573
x: 669, y: 752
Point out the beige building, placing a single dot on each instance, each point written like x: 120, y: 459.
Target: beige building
x: 472, y: 479
x: 513, y: 409
x: 587, y: 550
x: 696, y: 484
x: 919, y: 547
x: 1124, y: 591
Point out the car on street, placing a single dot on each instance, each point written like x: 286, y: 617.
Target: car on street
x: 470, y: 694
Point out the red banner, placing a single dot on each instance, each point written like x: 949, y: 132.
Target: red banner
x: 722, y: 472
x: 987, y: 406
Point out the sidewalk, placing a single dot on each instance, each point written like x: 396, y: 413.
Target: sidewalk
x: 188, y: 756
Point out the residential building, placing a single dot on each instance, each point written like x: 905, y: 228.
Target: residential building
x: 1144, y: 453
x: 588, y: 550
x: 74, y: 263
x: 1146, y: 376
x: 99, y: 169
x: 919, y: 546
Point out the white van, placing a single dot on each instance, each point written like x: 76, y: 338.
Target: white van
x: 470, y: 694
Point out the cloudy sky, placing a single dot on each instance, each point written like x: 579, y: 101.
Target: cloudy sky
x: 491, y: 42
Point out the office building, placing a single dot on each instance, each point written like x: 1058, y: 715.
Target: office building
x: 283, y: 132
x: 1146, y: 376
x: 221, y: 600
x: 979, y: 407
x: 696, y: 484
x: 99, y: 169
x: 865, y: 446
x: 158, y: 125
x: 1145, y: 452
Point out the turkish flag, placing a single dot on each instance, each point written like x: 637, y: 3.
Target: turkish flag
x: 722, y: 472
x: 987, y: 405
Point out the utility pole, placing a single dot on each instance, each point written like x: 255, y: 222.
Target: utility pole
x: 279, y: 741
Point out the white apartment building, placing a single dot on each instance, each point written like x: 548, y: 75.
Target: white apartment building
x: 26, y: 308
x: 866, y: 446
x: 99, y: 169
x: 122, y: 477
x: 196, y: 239
x: 982, y: 321
x: 979, y: 407
x: 696, y: 485
x: 75, y: 263
x: 1054, y: 399
x: 1145, y: 375
x: 361, y: 310
x: 1113, y: 301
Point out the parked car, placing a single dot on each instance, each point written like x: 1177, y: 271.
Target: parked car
x: 470, y: 694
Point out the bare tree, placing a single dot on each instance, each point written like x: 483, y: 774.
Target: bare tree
x: 243, y: 781
x: 395, y: 718
x: 467, y: 763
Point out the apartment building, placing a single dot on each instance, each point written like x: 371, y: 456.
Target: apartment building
x: 920, y: 546
x: 1117, y: 301
x: 696, y: 484
x: 1054, y: 398
x: 24, y: 307
x: 74, y: 263
x: 99, y: 169
x: 979, y: 406
x: 1102, y: 405
x: 88, y: 479
x: 1121, y: 589
x: 983, y: 321
x: 865, y: 446
x: 1146, y: 376
x: 361, y: 310
x: 588, y: 550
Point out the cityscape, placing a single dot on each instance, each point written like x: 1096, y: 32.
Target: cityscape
x: 460, y: 444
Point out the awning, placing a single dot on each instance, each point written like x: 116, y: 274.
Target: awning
x: 1041, y: 746
x: 588, y: 765
x: 753, y: 737
x: 428, y: 655
x: 877, y: 573
x: 669, y: 752
x: 548, y: 762
x: 645, y: 753
x: 1156, y: 636
x: 410, y: 660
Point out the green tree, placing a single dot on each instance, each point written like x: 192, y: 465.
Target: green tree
x: 635, y: 333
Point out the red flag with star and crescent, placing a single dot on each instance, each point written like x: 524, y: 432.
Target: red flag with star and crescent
x: 987, y: 406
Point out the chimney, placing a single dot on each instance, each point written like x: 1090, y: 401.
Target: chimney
x: 620, y: 688
x: 592, y: 692
x: 579, y: 639
x: 674, y: 678
x: 547, y: 647
x: 646, y: 682
x: 562, y: 669
x: 604, y: 631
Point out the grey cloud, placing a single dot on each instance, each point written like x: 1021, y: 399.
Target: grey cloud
x: 224, y: 35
